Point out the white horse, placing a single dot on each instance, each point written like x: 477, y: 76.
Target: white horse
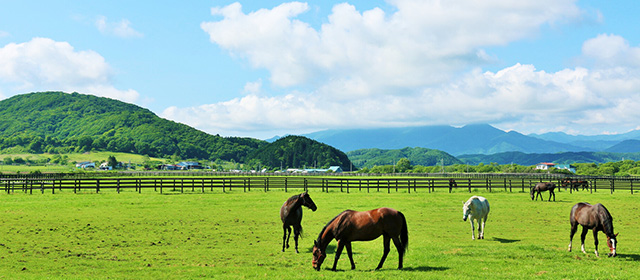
x: 476, y: 208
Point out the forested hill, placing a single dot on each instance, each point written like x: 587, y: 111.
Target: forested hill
x: 416, y: 156
x: 299, y: 151
x: 58, y: 122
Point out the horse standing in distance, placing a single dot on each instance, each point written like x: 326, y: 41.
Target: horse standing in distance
x: 476, y: 208
x: 543, y: 187
x: 452, y: 184
x: 575, y: 184
x: 597, y: 218
x: 291, y: 215
x: 351, y: 226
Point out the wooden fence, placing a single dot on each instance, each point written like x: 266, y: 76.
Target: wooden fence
x: 425, y: 183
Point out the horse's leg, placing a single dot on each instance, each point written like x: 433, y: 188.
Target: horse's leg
x: 480, y: 228
x: 484, y: 221
x: 387, y: 245
x: 338, y: 252
x: 396, y: 241
x: 296, y: 232
x: 350, y: 254
x: 285, y: 240
x: 473, y: 233
x: 595, y: 241
x: 582, y: 236
x: 574, y: 228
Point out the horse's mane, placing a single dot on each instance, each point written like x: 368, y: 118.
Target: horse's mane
x: 292, y: 199
x: 606, y: 220
x: 327, y: 225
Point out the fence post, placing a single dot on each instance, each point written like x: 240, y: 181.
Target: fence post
x: 347, y: 184
x: 613, y: 183
x: 97, y: 185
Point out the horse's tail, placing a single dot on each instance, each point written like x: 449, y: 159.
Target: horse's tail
x: 300, y: 231
x: 404, y: 234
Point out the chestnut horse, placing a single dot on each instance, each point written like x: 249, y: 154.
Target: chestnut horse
x: 543, y: 187
x: 291, y: 215
x: 351, y: 226
x: 597, y: 218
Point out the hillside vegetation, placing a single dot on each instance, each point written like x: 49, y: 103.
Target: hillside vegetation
x: 57, y: 122
x: 417, y: 156
x: 298, y: 151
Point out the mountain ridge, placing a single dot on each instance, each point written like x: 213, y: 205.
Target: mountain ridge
x: 469, y: 139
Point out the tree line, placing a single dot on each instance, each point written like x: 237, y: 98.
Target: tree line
x: 619, y: 168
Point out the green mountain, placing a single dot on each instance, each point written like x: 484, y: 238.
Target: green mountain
x: 416, y: 156
x: 299, y: 151
x: 57, y: 122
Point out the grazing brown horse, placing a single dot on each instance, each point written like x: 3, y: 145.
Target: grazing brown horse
x: 575, y: 184
x: 543, y: 187
x: 597, y: 218
x: 291, y: 215
x: 351, y: 226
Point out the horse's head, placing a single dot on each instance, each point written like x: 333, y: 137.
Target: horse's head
x: 532, y: 192
x: 612, y: 242
x: 318, y: 256
x: 307, y: 201
x: 466, y: 210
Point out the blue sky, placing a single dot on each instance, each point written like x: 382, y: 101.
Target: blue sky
x: 266, y: 68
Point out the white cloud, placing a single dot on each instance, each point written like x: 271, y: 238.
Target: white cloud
x: 419, y: 65
x: 253, y: 87
x: 43, y: 64
x: 120, y: 29
x: 422, y: 43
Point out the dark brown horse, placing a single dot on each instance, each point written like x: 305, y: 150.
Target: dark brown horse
x: 452, y: 184
x: 597, y: 218
x: 351, y: 226
x: 574, y: 184
x: 291, y: 215
x: 543, y: 187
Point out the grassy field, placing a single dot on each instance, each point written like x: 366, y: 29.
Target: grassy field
x: 237, y: 235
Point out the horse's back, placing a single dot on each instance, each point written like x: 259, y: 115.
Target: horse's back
x: 481, y: 206
x: 290, y: 217
x: 582, y: 213
x: 480, y: 200
x: 369, y: 225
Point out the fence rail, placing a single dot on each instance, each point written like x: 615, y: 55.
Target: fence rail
x: 428, y: 183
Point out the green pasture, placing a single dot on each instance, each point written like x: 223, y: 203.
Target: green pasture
x: 238, y: 235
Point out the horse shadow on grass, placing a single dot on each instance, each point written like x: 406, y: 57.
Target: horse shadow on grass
x: 503, y: 240
x: 426, y: 268
x: 629, y: 257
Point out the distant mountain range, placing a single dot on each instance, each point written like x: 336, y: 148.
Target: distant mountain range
x: 475, y: 139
